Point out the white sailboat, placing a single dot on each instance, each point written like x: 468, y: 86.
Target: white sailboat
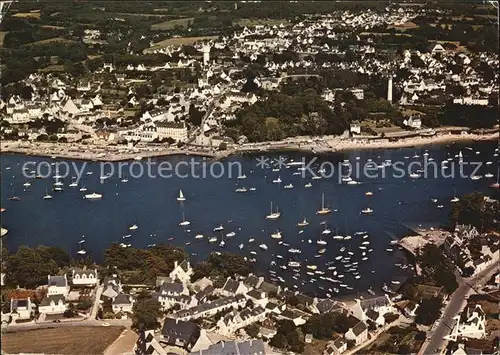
x: 273, y: 215
x: 83, y: 189
x: 455, y: 198
x: 47, y: 196
x: 278, y: 180
x: 324, y: 210
x: 81, y: 251
x: 303, y: 223
x: 181, y: 196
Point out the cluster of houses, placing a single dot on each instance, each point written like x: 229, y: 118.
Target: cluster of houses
x: 197, y: 312
x: 471, y: 262
x: 57, y: 295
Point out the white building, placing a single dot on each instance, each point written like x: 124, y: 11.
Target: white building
x: 58, y: 285
x: 358, y: 334
x: 470, y: 324
x: 336, y: 347
x: 233, y: 287
x: 182, y: 272
x: 234, y: 320
x: 211, y: 308
x: 21, y: 308
x: 122, y: 303
x: 53, y: 304
x: 86, y: 277
x: 413, y: 122
x: 174, y: 130
x: 382, y: 305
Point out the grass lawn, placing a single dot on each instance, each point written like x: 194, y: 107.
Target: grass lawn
x: 168, y: 25
x: 181, y: 40
x: 63, y: 340
x: 258, y: 21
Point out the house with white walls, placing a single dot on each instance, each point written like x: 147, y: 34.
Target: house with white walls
x: 211, y: 308
x: 84, y: 277
x: 470, y: 324
x: 382, y: 305
x: 182, y: 271
x: 122, y: 303
x: 235, y: 320
x: 53, y: 304
x: 358, y: 333
x: 58, y: 285
x: 232, y: 287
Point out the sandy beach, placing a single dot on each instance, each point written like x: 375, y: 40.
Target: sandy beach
x: 112, y: 153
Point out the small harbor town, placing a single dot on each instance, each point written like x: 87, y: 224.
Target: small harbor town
x: 355, y: 266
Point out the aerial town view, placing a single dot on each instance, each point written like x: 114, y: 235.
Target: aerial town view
x: 249, y: 177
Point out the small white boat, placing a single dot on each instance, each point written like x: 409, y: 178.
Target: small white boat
x: 124, y: 180
x: 241, y: 177
x: 273, y: 215
x: 219, y: 228
x: 73, y: 184
x: 440, y: 206
x: 47, y: 196
x: 455, y: 199
x: 389, y: 249
x: 277, y: 181
x: 475, y: 177
x: 81, y: 252
x: 289, y: 186
x: 294, y: 264
x: 184, y: 222
x: 414, y: 175
x: 241, y: 189
x: 181, y: 196
x: 253, y: 189
x: 304, y: 223
x: 369, y: 193
x: 222, y: 244
x: 347, y: 237
x: 367, y: 210
x: 83, y: 189
x: 324, y: 210
x: 294, y: 251
x: 126, y: 236
x: 434, y: 200
x: 89, y: 173
x: 240, y: 246
x: 322, y: 242
x: 276, y: 235
x: 212, y: 240
x: 230, y: 234
x: 198, y: 236
x: 27, y: 184
x: 338, y: 237
x: 263, y: 246
x: 308, y: 185
x: 488, y: 175
x: 134, y: 227
x: 93, y: 196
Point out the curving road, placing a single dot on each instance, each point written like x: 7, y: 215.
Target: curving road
x: 436, y: 344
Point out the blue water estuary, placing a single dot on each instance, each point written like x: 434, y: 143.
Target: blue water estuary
x: 398, y: 204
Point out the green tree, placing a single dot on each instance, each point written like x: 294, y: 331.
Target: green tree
x: 146, y: 313
x: 28, y: 268
x: 428, y: 311
x: 279, y: 341
x: 252, y: 330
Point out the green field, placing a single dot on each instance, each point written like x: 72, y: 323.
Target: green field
x: 170, y: 24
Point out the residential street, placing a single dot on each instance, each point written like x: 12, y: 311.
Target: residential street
x: 436, y: 343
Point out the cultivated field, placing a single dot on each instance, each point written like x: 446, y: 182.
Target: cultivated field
x: 181, y: 40
x: 63, y: 340
x: 168, y: 25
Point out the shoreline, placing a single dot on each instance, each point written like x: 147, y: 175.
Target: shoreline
x: 314, y: 145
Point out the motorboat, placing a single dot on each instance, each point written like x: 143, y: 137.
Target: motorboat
x: 198, y: 236
x: 134, y: 227
x: 277, y: 181
x: 241, y: 189
x: 83, y: 189
x: 288, y: 186
x: 184, y: 222
x: 47, y: 196
x: 263, y: 246
x: 367, y: 210
x: 93, y: 196
x: 369, y: 193
x: 219, y: 228
x: 308, y: 185
x: 241, y: 177
x: 212, y: 240
x: 276, y: 235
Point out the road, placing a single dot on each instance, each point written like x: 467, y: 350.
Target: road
x: 436, y: 343
x: 12, y: 328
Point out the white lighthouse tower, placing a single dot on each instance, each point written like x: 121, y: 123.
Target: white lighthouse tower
x: 206, y: 54
x: 389, y: 89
